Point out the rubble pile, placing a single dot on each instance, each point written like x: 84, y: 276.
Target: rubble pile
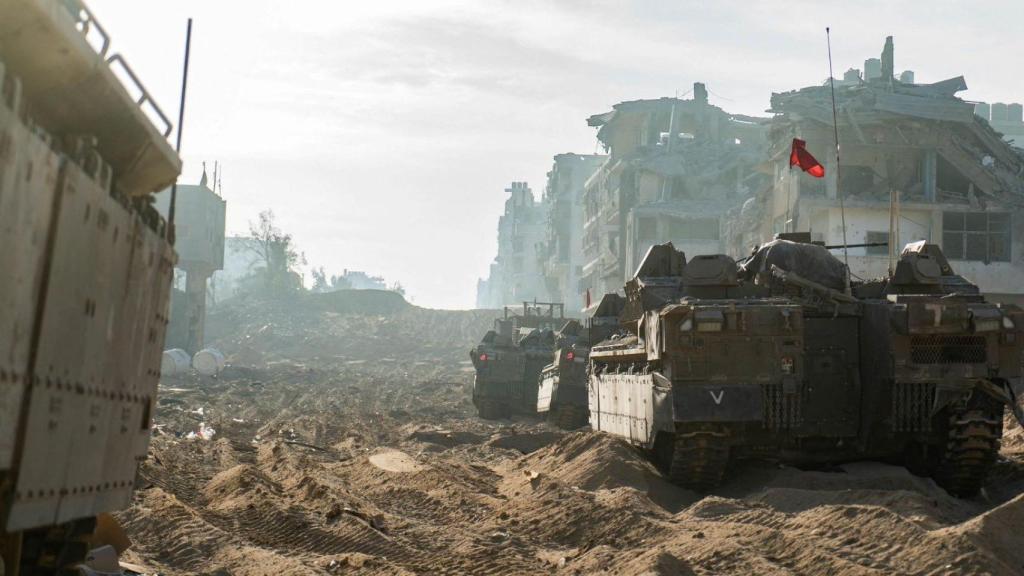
x: 337, y: 461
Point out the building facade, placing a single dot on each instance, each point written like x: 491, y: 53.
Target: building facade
x: 516, y: 275
x: 917, y: 163
x: 561, y: 253
x: 674, y: 167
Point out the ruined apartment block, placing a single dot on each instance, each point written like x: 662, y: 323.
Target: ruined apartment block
x: 915, y: 152
x: 674, y: 167
x: 562, y: 251
x: 516, y: 275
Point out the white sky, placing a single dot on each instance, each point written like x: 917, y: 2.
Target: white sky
x: 382, y: 134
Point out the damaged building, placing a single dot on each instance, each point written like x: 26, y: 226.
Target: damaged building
x: 515, y: 275
x: 674, y: 167
x: 561, y: 253
x: 917, y: 163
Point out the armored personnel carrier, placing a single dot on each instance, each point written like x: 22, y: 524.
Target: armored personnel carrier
x: 87, y: 272
x: 779, y: 358
x: 509, y: 359
x: 563, y: 383
x: 949, y: 361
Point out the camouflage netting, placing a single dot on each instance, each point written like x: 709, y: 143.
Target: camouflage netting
x: 810, y: 261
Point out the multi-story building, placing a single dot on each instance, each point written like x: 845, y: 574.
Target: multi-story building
x: 674, y: 167
x: 917, y: 164
x: 515, y: 275
x: 562, y: 251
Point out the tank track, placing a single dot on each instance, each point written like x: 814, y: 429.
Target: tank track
x: 699, y: 461
x: 491, y: 410
x: 569, y: 417
x: 972, y: 445
x: 57, y: 550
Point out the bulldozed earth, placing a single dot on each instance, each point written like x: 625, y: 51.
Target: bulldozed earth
x: 341, y: 439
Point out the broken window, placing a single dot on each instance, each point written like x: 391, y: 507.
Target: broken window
x: 983, y: 236
x: 877, y: 237
x: 950, y: 179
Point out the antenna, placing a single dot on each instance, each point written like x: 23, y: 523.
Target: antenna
x: 181, y: 126
x: 835, y: 132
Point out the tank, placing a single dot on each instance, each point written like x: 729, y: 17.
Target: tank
x: 779, y: 358
x: 563, y: 385
x: 87, y: 268
x: 949, y: 362
x: 509, y: 359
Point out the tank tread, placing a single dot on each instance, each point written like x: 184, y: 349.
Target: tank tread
x: 491, y: 410
x: 569, y: 416
x: 699, y: 461
x: 971, y: 448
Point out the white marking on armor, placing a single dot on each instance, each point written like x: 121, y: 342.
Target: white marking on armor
x: 717, y: 397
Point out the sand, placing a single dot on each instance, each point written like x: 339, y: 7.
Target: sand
x: 333, y: 458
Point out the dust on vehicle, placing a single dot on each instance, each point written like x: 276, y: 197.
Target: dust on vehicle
x: 509, y: 359
x: 779, y: 358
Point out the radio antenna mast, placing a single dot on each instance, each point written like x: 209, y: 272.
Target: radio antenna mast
x: 835, y: 133
x: 181, y: 127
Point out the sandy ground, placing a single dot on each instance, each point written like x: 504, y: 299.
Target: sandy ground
x: 345, y: 443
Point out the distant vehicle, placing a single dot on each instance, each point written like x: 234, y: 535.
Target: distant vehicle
x: 563, y: 385
x: 509, y: 359
x: 87, y: 274
x: 776, y: 359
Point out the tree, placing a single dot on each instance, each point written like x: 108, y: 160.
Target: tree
x: 277, y: 254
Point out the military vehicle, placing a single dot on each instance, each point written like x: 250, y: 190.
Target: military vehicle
x: 780, y: 358
x: 87, y: 273
x: 508, y: 359
x: 949, y: 361
x: 563, y: 383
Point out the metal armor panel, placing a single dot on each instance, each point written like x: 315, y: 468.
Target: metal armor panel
x: 28, y: 179
x: 718, y: 402
x: 630, y: 405
x: 97, y: 362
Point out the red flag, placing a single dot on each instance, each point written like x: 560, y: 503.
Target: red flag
x: 802, y: 158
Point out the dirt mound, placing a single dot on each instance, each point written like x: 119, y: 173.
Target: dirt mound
x: 594, y: 461
x: 357, y: 302
x: 998, y: 531
x: 348, y: 327
x: 351, y: 447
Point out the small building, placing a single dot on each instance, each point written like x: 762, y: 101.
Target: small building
x: 674, y: 167
x: 199, y: 241
x: 917, y: 163
x: 516, y: 276
x: 561, y: 253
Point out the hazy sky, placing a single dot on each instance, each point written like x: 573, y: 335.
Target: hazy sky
x: 383, y: 134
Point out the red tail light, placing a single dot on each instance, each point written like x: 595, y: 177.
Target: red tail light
x: 483, y: 357
x: 570, y: 355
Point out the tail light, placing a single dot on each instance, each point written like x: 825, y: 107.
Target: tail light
x: 483, y: 357
x: 570, y: 355
x: 787, y: 365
